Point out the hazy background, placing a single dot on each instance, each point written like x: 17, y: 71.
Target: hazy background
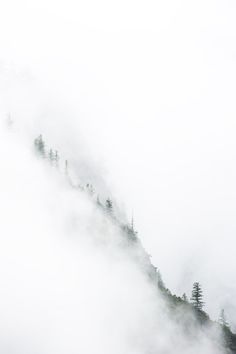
x: 145, y: 93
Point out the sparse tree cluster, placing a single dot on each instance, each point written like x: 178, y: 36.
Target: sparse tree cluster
x: 90, y: 189
x: 51, y: 155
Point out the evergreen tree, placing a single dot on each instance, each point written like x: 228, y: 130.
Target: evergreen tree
x: 184, y: 297
x: 90, y: 189
x: 132, y: 225
x: 56, y: 158
x: 197, y: 296
x: 109, y: 205
x: 51, y: 156
x: 98, y: 201
x: 222, y: 319
x: 40, y: 145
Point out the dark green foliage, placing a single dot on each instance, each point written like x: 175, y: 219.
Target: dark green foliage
x: 197, y: 296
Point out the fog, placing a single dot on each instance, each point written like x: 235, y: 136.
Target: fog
x: 140, y: 98
x: 69, y: 281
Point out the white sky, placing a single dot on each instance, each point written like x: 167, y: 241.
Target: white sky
x: 149, y: 87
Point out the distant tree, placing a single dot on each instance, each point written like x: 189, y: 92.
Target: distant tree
x: 9, y: 120
x: 197, y: 296
x: 109, y: 205
x: 56, y: 158
x: 98, y: 201
x: 51, y: 156
x: 40, y: 145
x: 66, y: 167
x: 184, y: 297
x: 222, y: 319
x: 160, y: 282
x: 132, y: 223
x: 90, y: 189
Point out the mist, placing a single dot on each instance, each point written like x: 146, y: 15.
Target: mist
x: 140, y: 99
x: 69, y: 281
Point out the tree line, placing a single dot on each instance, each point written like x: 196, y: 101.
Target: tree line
x: 54, y: 159
x: 197, y: 301
x: 52, y: 156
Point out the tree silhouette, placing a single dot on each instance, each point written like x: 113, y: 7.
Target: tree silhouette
x: 109, y: 206
x: 222, y: 319
x: 197, y: 296
x: 56, y: 158
x: 51, y: 156
x: 40, y: 145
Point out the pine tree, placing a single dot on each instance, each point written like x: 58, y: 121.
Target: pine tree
x: 184, y: 297
x: 222, y: 319
x: 197, y: 296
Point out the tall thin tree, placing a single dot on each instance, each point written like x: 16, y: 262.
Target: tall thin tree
x: 197, y: 296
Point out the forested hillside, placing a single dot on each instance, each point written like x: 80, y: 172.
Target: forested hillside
x: 186, y: 311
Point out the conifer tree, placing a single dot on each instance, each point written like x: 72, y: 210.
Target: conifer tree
x: 109, y: 205
x: 56, y: 158
x: 197, y: 296
x: 222, y: 319
x: 132, y: 224
x: 184, y: 297
x: 98, y: 201
x: 90, y: 189
x: 51, y: 156
x: 40, y: 145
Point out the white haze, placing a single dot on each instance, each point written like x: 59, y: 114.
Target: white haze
x: 69, y: 284
x: 140, y: 96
